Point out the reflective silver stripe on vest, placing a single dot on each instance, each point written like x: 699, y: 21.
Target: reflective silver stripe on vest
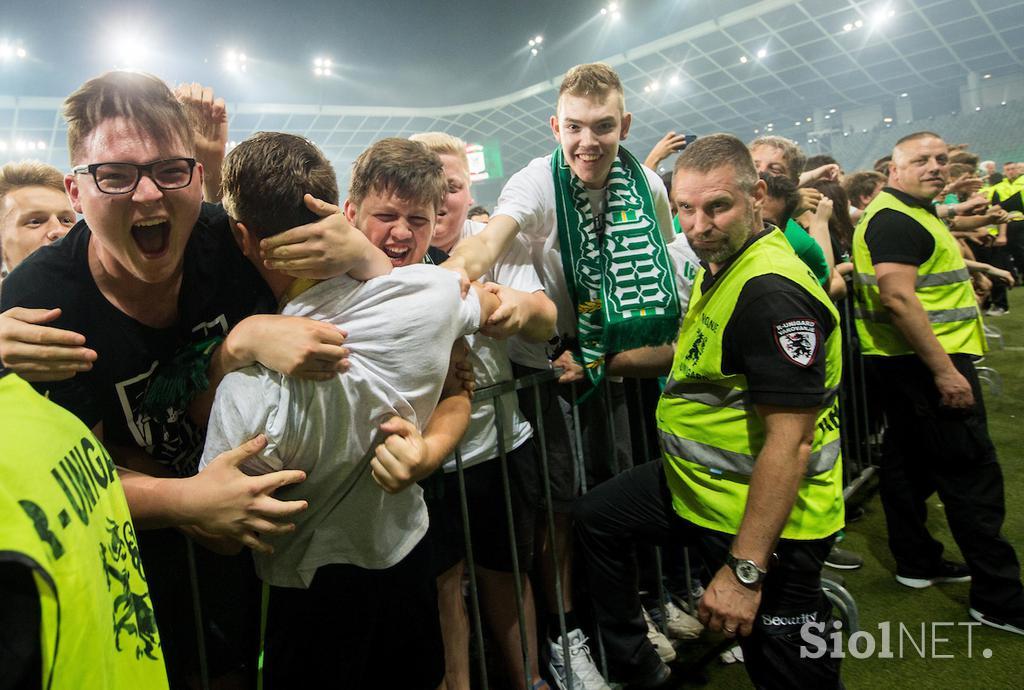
x: 927, y: 280
x: 719, y: 396
x: 936, y: 316
x: 707, y: 394
x: 730, y: 461
x: 944, y: 278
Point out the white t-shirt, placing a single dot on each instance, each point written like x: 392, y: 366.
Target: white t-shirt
x: 401, y: 329
x: 491, y: 365
x: 529, y: 199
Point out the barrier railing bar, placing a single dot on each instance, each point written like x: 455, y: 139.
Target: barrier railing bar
x: 474, y: 592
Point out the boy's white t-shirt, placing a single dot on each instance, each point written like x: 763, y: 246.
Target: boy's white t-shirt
x: 401, y: 328
x: 513, y: 269
x: 529, y: 199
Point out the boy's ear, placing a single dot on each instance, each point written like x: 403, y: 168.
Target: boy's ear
x: 245, y: 239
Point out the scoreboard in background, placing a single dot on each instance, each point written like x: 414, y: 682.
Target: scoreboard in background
x: 484, y: 161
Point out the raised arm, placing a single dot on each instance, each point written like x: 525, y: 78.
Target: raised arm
x: 208, y: 118
x: 475, y: 255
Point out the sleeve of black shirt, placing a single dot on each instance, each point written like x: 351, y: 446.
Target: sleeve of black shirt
x: 1013, y: 203
x: 894, y: 237
x: 774, y: 326
x: 20, y: 655
x: 36, y: 284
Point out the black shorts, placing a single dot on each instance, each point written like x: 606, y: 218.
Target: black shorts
x: 347, y: 628
x: 485, y: 498
x: 557, y: 441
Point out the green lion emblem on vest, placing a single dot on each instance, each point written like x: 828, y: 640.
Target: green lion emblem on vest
x: 133, y: 614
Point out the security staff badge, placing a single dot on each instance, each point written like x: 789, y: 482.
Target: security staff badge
x: 798, y: 340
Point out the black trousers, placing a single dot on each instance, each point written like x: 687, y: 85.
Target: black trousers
x: 636, y: 507
x: 356, y: 628
x: 929, y: 448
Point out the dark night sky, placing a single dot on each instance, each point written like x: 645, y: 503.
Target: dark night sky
x: 390, y: 52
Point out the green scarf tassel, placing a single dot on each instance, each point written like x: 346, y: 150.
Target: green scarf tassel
x: 176, y: 383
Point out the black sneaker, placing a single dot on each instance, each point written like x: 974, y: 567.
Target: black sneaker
x: 948, y: 571
x: 1000, y: 623
x: 654, y: 679
x: 841, y: 559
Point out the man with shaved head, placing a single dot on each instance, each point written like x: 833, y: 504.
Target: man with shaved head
x: 920, y: 330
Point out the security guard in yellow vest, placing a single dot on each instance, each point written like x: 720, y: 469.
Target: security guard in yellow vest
x: 76, y: 611
x: 920, y: 331
x: 751, y: 471
x: 1009, y: 194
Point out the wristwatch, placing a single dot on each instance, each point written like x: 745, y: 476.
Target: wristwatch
x: 745, y: 570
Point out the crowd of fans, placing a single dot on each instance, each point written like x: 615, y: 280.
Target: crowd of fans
x: 282, y: 378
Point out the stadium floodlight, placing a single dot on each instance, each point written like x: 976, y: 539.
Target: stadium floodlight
x: 743, y: 59
x: 322, y: 67
x: 129, y: 47
x: 797, y: 123
x: 655, y: 85
x: 673, y: 80
x: 848, y: 27
x: 538, y: 39
x: 832, y: 111
x: 886, y: 120
x: 859, y: 23
x: 904, y: 94
x: 809, y: 119
x: 986, y: 76
x: 235, y: 61
x: 762, y: 54
x: 534, y: 51
x: 883, y: 15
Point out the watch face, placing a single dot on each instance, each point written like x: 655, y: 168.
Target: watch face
x: 747, y: 572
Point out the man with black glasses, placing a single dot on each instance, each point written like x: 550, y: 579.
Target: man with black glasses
x: 152, y: 282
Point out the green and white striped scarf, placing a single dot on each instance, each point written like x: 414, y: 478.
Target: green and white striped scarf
x: 617, y: 268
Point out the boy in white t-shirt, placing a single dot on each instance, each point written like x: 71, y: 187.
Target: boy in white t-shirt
x: 356, y: 559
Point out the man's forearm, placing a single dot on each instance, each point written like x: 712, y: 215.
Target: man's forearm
x: 372, y: 263
x: 446, y: 427
x: 775, y: 482
x: 539, y: 325
x: 911, y: 320
x: 475, y: 255
x: 642, y: 362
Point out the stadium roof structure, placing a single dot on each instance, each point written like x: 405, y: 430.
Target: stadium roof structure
x: 792, y: 67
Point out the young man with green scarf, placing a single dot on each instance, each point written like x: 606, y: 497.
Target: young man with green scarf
x: 599, y: 228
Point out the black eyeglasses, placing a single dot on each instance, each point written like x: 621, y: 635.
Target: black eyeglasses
x: 123, y: 178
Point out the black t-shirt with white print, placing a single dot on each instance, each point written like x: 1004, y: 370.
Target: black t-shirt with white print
x: 219, y: 288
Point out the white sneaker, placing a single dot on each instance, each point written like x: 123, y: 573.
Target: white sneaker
x: 585, y: 675
x: 681, y: 625
x: 661, y: 643
x: 733, y: 655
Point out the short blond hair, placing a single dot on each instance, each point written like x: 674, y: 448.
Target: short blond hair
x: 592, y: 80
x: 28, y: 173
x: 444, y: 144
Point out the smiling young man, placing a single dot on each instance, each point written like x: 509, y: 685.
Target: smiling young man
x: 585, y: 210
x: 34, y: 210
x: 920, y: 331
